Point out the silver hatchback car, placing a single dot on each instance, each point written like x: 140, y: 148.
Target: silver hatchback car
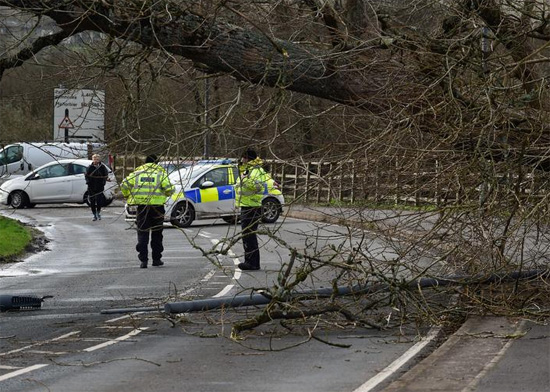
x: 61, y: 181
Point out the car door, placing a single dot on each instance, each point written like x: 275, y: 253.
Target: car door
x: 77, y: 179
x: 50, y: 184
x: 233, y: 176
x: 219, y: 197
x: 11, y: 161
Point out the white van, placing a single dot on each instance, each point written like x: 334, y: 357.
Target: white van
x: 21, y: 158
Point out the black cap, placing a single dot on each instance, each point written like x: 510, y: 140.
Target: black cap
x: 250, y: 154
x: 152, y: 158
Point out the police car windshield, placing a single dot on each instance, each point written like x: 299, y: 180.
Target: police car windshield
x: 180, y: 174
x: 188, y: 174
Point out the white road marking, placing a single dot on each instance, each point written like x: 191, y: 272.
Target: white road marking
x: 395, y: 365
x: 187, y: 292
x: 3, y: 367
x: 236, y: 261
x: 208, y: 276
x: 236, y: 274
x: 22, y: 371
x: 40, y: 343
x: 114, y: 327
x: 117, y: 340
x: 123, y: 317
x: 225, y: 290
x: 47, y: 352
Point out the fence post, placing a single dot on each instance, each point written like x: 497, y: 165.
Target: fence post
x: 396, y: 198
x: 457, y: 192
x: 437, y: 193
x: 377, y: 181
x: 329, y: 179
x: 416, y: 191
x: 295, y: 182
x: 352, y: 194
x: 308, y: 167
x: 340, y: 182
x: 319, y: 181
x: 283, y: 165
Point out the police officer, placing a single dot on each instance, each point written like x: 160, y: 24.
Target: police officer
x: 148, y: 187
x: 249, y: 191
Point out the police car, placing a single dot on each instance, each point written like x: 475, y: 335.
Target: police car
x: 207, y: 190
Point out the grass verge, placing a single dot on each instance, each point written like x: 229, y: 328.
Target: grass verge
x: 15, y: 237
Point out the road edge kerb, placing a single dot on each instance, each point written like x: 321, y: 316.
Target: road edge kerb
x: 316, y: 217
x: 455, y: 365
x: 344, y: 216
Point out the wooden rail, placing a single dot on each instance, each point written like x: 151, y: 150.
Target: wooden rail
x: 393, y: 179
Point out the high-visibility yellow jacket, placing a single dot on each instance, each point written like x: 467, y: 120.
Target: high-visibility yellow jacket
x: 147, y: 185
x: 250, y: 186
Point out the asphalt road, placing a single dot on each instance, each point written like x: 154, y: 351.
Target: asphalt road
x: 68, y: 345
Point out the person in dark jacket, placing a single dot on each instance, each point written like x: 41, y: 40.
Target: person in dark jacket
x: 96, y: 177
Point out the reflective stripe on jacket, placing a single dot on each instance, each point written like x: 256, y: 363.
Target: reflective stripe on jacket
x: 147, y: 185
x: 249, y: 189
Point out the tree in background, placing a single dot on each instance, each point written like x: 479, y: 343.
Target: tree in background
x: 458, y: 88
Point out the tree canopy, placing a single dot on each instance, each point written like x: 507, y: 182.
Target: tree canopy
x: 465, y: 74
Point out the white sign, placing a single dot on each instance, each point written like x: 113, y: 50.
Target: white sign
x: 79, y: 115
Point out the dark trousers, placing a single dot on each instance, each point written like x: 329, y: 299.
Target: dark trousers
x: 149, y: 219
x: 250, y: 219
x: 96, y: 200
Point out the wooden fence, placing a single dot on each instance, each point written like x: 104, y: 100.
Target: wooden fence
x: 391, y: 179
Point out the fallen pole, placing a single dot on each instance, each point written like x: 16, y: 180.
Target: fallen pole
x: 258, y: 299
x: 263, y: 299
x: 199, y: 305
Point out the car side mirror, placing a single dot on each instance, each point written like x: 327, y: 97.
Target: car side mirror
x: 34, y: 176
x: 207, y: 184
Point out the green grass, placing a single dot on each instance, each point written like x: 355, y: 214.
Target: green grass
x: 14, y: 237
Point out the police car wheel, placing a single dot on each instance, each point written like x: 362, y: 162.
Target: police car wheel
x: 230, y: 219
x: 271, y: 209
x: 182, y: 215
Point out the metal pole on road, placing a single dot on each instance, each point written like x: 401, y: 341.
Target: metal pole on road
x: 263, y: 298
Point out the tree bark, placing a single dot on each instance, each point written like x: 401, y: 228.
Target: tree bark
x: 357, y: 79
